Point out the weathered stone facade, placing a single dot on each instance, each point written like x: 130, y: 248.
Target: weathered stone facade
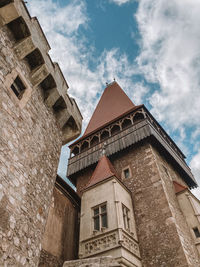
x: 60, y: 239
x: 35, y: 122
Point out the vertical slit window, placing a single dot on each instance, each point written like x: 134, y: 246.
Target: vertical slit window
x: 126, y: 217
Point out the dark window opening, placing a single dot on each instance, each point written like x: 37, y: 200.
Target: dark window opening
x: 84, y: 146
x: 100, y: 217
x: 34, y: 59
x: 196, y: 232
x: 18, y: 87
x: 94, y: 141
x: 5, y: 2
x: 59, y: 105
x: 126, y: 217
x: 138, y: 117
x: 104, y: 135
x: 75, y: 151
x: 19, y: 29
x: 126, y: 173
x: 126, y: 123
x: 115, y: 129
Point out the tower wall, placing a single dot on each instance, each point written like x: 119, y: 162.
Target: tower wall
x: 163, y: 234
x: 36, y: 118
x: 164, y: 237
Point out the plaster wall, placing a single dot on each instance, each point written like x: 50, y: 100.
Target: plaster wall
x: 103, y: 193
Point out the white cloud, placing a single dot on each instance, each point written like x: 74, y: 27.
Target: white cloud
x: 170, y: 56
x: 61, y: 25
x: 195, y: 166
x: 119, y: 2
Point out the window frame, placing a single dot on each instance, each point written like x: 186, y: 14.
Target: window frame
x: 18, y: 87
x: 99, y: 215
x: 9, y: 80
x: 127, y: 168
x: 126, y: 217
x: 196, y: 232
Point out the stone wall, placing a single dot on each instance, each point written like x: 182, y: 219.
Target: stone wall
x: 157, y: 222
x: 33, y: 129
x: 30, y: 149
x: 60, y: 240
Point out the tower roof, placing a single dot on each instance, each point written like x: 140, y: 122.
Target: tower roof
x: 113, y: 103
x: 104, y: 170
x: 178, y: 187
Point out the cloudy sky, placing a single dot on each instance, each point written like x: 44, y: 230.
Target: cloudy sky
x: 151, y: 48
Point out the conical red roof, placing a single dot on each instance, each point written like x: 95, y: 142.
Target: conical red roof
x: 104, y: 170
x: 113, y: 103
x: 178, y: 187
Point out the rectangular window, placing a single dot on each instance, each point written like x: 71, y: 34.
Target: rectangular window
x: 196, y: 232
x: 126, y: 173
x: 100, y: 217
x: 126, y: 217
x: 18, y: 87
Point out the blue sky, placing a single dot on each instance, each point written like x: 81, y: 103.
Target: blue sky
x: 151, y: 47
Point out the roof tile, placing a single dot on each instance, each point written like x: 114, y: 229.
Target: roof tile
x: 104, y: 170
x: 112, y: 104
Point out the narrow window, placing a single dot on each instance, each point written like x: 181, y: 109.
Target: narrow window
x: 104, y: 216
x: 126, y: 217
x: 18, y: 87
x: 196, y: 232
x: 100, y: 217
x: 126, y: 173
x: 96, y: 219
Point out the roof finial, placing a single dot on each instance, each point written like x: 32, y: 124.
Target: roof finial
x: 107, y: 83
x: 114, y: 79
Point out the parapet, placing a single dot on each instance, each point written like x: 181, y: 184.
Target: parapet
x: 31, y: 46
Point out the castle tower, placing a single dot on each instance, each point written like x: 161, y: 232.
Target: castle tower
x: 151, y: 166
x: 112, y: 231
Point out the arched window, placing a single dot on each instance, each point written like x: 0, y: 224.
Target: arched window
x: 75, y: 151
x: 84, y: 146
x: 138, y: 116
x: 94, y: 141
x: 126, y: 123
x: 115, y: 129
x: 104, y: 135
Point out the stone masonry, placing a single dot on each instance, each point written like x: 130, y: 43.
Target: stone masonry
x: 32, y: 132
x: 152, y: 193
